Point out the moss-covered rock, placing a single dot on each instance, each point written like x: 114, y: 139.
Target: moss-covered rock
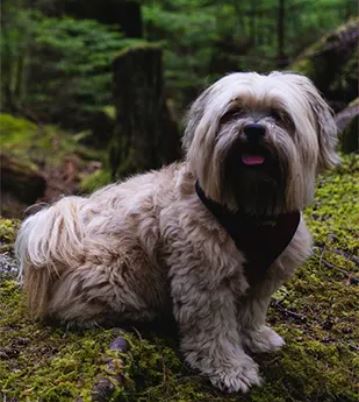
x: 316, y: 312
x: 348, y: 124
x: 337, y: 80
x: 42, y: 162
x: 39, y: 145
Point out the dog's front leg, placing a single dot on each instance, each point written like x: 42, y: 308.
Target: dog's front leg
x: 252, y: 311
x: 252, y: 308
x: 209, y: 330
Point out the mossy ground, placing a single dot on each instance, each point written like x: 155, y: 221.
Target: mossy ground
x: 59, y: 157
x: 316, y: 313
x: 39, y: 145
x: 8, y: 229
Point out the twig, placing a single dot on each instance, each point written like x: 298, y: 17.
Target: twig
x: 289, y: 313
x: 348, y: 256
x: 352, y: 279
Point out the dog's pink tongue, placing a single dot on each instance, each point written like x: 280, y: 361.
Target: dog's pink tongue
x: 252, y: 160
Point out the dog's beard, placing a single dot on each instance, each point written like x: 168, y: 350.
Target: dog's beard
x: 255, y: 189
x: 254, y: 178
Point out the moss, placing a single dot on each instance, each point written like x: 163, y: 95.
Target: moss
x: 39, y: 145
x: 95, y: 180
x: 316, y: 312
x: 8, y: 229
x: 109, y: 111
x: 41, y: 162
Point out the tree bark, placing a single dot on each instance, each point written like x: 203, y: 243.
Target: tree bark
x: 145, y: 137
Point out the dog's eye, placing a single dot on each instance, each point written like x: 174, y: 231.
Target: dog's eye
x: 276, y: 115
x: 231, y: 115
x: 282, y: 117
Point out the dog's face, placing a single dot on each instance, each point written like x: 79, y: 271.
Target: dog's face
x: 257, y: 142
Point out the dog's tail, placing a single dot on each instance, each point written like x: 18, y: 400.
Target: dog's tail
x: 47, y: 244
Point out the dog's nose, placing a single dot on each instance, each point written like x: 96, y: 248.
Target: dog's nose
x: 254, y: 131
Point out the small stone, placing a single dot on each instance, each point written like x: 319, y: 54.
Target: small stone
x: 119, y: 344
x: 327, y: 325
x: 22, y: 341
x: 102, y: 390
x: 3, y: 355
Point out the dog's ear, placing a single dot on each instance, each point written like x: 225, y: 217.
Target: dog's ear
x: 325, y: 125
x: 326, y: 129
x: 194, y: 116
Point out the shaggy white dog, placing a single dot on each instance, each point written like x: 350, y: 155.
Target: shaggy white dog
x: 210, y: 238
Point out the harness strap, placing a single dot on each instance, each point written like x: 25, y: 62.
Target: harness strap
x: 261, y: 240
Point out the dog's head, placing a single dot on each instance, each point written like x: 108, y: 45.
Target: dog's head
x: 256, y: 142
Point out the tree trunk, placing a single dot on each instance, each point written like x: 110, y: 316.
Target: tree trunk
x: 281, y: 58
x: 145, y: 137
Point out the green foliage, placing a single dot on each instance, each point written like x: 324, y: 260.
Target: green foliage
x: 206, y: 39
x: 67, y: 74
x: 59, y: 69
x: 71, y: 68
x: 184, y: 30
x: 16, y: 31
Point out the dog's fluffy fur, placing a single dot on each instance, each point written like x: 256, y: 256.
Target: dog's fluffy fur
x: 136, y: 249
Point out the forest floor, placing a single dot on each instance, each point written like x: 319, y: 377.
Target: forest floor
x: 316, y: 312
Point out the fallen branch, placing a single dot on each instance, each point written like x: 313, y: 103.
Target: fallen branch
x: 350, y: 257
x: 352, y: 279
x: 289, y: 313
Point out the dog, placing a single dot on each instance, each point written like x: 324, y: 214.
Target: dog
x: 209, y: 238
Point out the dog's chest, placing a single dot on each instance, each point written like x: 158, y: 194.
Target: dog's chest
x: 261, y: 240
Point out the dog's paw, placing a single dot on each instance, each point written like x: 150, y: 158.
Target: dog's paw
x: 262, y: 340
x: 237, y: 378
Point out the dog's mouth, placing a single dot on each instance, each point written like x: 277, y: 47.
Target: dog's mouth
x: 253, y: 156
x: 257, y: 159
x: 252, y: 159
x: 253, y: 177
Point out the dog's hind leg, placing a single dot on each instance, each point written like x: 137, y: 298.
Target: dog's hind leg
x: 48, y: 243
x: 95, y: 292
x: 76, y: 272
x: 98, y: 294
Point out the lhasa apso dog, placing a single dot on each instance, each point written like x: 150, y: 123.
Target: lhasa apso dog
x: 210, y: 238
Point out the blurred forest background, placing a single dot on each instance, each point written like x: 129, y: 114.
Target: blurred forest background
x: 93, y: 90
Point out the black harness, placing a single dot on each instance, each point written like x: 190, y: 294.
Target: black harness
x: 261, y: 240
